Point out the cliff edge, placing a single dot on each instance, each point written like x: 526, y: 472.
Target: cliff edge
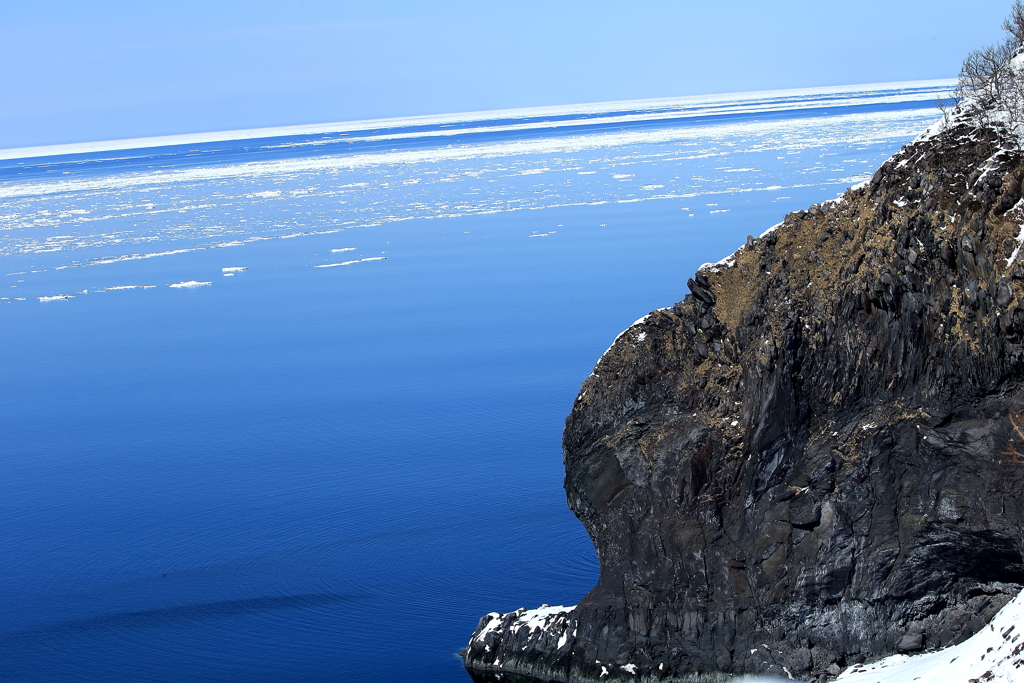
x: 811, y: 461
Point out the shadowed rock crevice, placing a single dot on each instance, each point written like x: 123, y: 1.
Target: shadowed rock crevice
x: 803, y: 464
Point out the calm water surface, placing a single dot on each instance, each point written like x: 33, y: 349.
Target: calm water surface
x: 301, y: 473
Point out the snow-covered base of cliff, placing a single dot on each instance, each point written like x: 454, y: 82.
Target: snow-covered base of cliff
x: 544, y: 618
x: 993, y: 655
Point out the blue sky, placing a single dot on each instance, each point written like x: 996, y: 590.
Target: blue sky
x: 95, y: 70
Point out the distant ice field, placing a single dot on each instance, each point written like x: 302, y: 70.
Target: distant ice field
x: 95, y: 206
x: 286, y: 405
x: 694, y: 110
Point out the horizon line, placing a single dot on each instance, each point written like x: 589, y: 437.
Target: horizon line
x: 35, y: 151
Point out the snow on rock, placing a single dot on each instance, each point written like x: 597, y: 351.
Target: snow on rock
x: 492, y: 623
x: 993, y: 655
x: 534, y: 619
x: 531, y: 619
x: 730, y: 260
x: 545, y: 628
x: 640, y: 336
x: 1020, y: 241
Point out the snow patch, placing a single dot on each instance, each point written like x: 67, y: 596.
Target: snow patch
x: 994, y: 655
x: 545, y: 621
x: 493, y: 623
x: 534, y: 619
x: 641, y: 321
x: 728, y: 262
x: 1020, y: 241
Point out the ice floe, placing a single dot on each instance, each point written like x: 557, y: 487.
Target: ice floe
x: 187, y: 284
x: 349, y: 263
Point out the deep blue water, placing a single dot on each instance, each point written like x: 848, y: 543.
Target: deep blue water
x: 329, y: 474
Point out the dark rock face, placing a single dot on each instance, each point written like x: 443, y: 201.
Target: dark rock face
x: 807, y: 462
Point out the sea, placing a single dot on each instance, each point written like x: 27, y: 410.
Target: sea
x: 285, y: 405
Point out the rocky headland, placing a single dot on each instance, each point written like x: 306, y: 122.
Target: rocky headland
x: 812, y: 461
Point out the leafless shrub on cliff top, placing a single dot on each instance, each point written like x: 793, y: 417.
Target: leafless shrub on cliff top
x: 1014, y: 24
x: 991, y: 82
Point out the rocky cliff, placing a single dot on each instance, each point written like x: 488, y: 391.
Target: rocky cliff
x: 809, y: 462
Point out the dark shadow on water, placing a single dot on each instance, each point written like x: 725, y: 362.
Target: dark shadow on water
x: 196, y: 611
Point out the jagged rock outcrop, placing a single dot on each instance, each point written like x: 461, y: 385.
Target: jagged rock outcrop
x: 808, y: 462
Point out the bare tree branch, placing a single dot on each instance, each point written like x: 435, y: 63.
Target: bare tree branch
x: 1013, y: 448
